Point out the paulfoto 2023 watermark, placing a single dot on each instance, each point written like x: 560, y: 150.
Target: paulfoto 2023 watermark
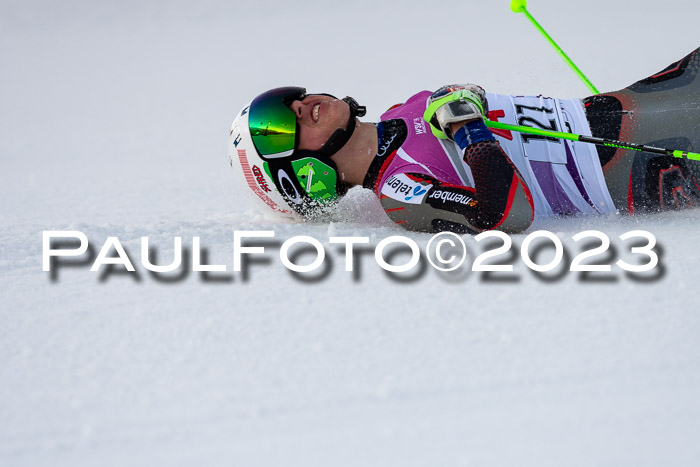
x: 634, y: 253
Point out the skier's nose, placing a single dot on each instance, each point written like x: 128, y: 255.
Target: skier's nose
x: 297, y: 108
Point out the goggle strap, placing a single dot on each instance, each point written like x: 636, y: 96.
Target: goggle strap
x: 340, y: 137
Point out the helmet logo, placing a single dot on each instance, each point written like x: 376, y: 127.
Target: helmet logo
x: 260, y: 178
x: 251, y: 180
x: 288, y: 187
x: 237, y: 140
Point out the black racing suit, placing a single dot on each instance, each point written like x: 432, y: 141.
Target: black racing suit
x: 662, y: 111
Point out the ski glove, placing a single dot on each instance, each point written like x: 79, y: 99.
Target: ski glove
x: 454, y: 103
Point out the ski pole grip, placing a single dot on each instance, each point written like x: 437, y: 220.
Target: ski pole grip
x: 518, y: 6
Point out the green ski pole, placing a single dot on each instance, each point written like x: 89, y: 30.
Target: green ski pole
x: 694, y: 156
x: 520, y: 6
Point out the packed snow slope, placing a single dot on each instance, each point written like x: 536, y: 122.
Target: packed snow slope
x: 114, y: 122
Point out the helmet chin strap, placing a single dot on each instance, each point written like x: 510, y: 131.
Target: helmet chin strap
x: 341, y: 136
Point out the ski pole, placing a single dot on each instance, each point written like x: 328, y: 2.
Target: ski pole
x: 694, y: 156
x: 520, y: 6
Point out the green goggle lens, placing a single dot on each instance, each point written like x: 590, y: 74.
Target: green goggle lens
x: 272, y: 123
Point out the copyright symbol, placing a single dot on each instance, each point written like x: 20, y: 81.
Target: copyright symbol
x: 452, y: 261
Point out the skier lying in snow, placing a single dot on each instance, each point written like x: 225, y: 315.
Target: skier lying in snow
x: 435, y: 165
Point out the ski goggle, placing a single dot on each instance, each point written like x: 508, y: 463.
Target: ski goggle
x: 272, y: 124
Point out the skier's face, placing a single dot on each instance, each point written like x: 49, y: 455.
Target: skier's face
x: 318, y: 117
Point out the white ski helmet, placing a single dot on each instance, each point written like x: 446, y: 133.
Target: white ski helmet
x: 263, y: 153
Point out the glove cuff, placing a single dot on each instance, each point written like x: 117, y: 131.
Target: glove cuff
x: 472, y: 133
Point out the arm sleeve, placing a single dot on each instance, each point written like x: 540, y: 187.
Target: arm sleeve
x: 499, y: 200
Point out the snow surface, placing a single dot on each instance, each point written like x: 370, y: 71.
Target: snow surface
x: 114, y: 120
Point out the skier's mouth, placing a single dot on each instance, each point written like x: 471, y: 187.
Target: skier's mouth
x: 315, y: 111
